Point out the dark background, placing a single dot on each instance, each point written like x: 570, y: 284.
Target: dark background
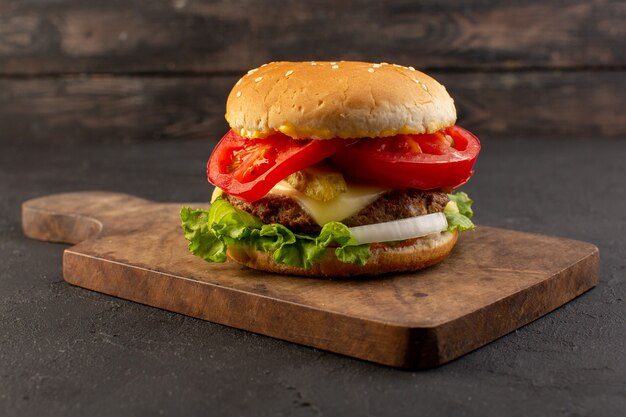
x: 75, y: 71
x: 129, y: 97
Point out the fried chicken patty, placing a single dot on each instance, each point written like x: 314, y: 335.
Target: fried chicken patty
x: 393, y: 205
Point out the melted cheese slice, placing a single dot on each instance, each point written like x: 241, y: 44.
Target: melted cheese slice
x: 337, y: 209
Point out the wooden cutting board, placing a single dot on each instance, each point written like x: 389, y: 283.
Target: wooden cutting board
x: 494, y: 281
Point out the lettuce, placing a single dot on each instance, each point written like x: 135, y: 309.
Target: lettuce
x: 211, y: 232
x: 459, y: 213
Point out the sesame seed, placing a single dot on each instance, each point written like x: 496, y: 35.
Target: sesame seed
x: 288, y: 73
x: 313, y: 63
x: 397, y: 66
x: 335, y: 66
x: 412, y: 69
x: 238, y: 93
x: 238, y: 82
x: 417, y: 81
x: 370, y: 70
x: 332, y: 63
x: 424, y: 87
x: 376, y: 65
x: 257, y: 79
x: 252, y: 71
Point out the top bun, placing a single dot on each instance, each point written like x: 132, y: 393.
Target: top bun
x: 324, y: 100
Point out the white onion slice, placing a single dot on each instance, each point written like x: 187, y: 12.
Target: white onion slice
x: 400, y: 229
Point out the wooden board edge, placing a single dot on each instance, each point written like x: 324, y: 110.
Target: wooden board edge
x: 372, y: 341
x: 387, y: 344
x: 568, y: 283
x: 71, y: 217
x: 48, y: 226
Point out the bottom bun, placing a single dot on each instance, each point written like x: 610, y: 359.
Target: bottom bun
x: 425, y: 252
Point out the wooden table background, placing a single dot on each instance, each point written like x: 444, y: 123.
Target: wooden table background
x: 98, y: 71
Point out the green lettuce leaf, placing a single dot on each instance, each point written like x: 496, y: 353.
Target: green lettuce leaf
x: 349, y: 250
x: 210, y: 233
x: 460, y: 213
x: 202, y: 241
x: 463, y: 202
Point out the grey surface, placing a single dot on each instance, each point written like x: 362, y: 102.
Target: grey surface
x: 69, y: 351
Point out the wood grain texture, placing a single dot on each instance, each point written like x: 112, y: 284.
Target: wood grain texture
x: 115, y: 109
x: 495, y: 281
x: 207, y: 36
x: 103, y: 109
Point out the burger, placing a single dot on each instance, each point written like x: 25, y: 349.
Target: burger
x: 336, y: 169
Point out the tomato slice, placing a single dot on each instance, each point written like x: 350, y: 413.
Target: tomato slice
x: 249, y: 168
x: 426, y: 161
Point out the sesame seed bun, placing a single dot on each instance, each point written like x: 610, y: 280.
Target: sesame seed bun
x: 324, y: 100
x: 426, y: 251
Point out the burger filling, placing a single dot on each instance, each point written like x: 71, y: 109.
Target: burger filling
x: 297, y: 198
x: 390, y: 206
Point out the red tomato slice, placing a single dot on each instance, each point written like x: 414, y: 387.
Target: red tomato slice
x: 425, y: 162
x: 249, y: 168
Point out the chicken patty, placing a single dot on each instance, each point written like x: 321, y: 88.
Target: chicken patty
x: 393, y: 205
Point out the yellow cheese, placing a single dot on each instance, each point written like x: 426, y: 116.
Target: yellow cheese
x: 337, y: 209
x: 319, y: 133
x: 217, y: 193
